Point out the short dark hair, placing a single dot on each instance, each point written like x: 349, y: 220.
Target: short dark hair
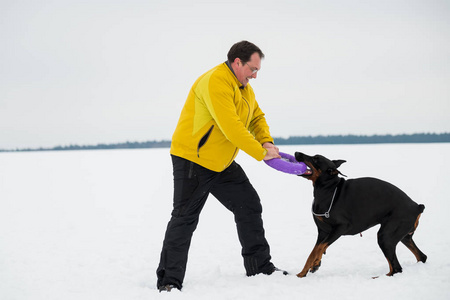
x: 243, y: 50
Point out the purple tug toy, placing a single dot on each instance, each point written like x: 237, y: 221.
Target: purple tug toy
x: 287, y: 164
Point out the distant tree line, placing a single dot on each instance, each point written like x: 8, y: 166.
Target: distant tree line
x: 293, y: 140
x: 126, y: 145
x: 365, y: 139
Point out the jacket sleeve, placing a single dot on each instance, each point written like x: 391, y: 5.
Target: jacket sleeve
x: 220, y: 102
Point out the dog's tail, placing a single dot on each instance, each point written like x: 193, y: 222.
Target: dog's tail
x: 421, y: 208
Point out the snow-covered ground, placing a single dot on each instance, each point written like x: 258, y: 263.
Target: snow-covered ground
x: 90, y: 224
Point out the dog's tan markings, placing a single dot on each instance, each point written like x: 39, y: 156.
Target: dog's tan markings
x: 335, y: 172
x: 319, y: 218
x: 391, y: 269
x: 314, y: 259
x: 315, y: 175
x: 417, y: 222
x: 413, y: 248
x: 409, y: 243
x: 315, y: 172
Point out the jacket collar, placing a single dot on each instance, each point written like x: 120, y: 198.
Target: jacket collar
x: 232, y: 71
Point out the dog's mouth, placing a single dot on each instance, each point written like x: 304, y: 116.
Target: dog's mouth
x: 302, y: 158
x: 308, y: 171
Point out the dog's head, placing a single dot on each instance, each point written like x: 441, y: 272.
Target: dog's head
x: 319, y: 166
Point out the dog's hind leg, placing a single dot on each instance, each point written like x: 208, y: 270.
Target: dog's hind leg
x: 388, y: 242
x: 409, y: 243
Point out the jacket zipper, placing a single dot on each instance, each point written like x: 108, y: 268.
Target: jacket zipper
x: 231, y: 160
x: 248, y: 105
x: 203, y: 140
x: 248, y: 114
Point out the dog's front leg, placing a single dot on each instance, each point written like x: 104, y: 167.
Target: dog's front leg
x: 313, y: 262
x: 314, y: 259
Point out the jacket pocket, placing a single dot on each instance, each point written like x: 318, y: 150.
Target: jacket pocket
x: 204, y: 139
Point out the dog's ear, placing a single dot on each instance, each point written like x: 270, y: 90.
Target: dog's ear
x: 338, y: 162
x: 335, y: 172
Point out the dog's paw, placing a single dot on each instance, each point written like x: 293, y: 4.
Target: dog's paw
x: 301, y: 275
x: 316, y: 267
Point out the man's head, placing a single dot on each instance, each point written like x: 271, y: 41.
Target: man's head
x: 245, y: 59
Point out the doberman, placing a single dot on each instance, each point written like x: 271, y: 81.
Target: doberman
x: 347, y: 207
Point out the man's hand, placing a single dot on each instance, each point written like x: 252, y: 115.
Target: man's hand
x: 272, y: 151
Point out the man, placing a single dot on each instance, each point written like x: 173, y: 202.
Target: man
x: 220, y: 117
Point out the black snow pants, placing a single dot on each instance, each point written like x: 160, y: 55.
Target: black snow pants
x: 192, y: 185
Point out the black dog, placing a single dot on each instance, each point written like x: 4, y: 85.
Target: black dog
x: 347, y: 207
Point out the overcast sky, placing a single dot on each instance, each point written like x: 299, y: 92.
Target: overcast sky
x: 109, y: 71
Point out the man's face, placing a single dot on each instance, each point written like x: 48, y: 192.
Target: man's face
x: 246, y: 71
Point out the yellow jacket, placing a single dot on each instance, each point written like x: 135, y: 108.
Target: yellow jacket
x: 219, y: 118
